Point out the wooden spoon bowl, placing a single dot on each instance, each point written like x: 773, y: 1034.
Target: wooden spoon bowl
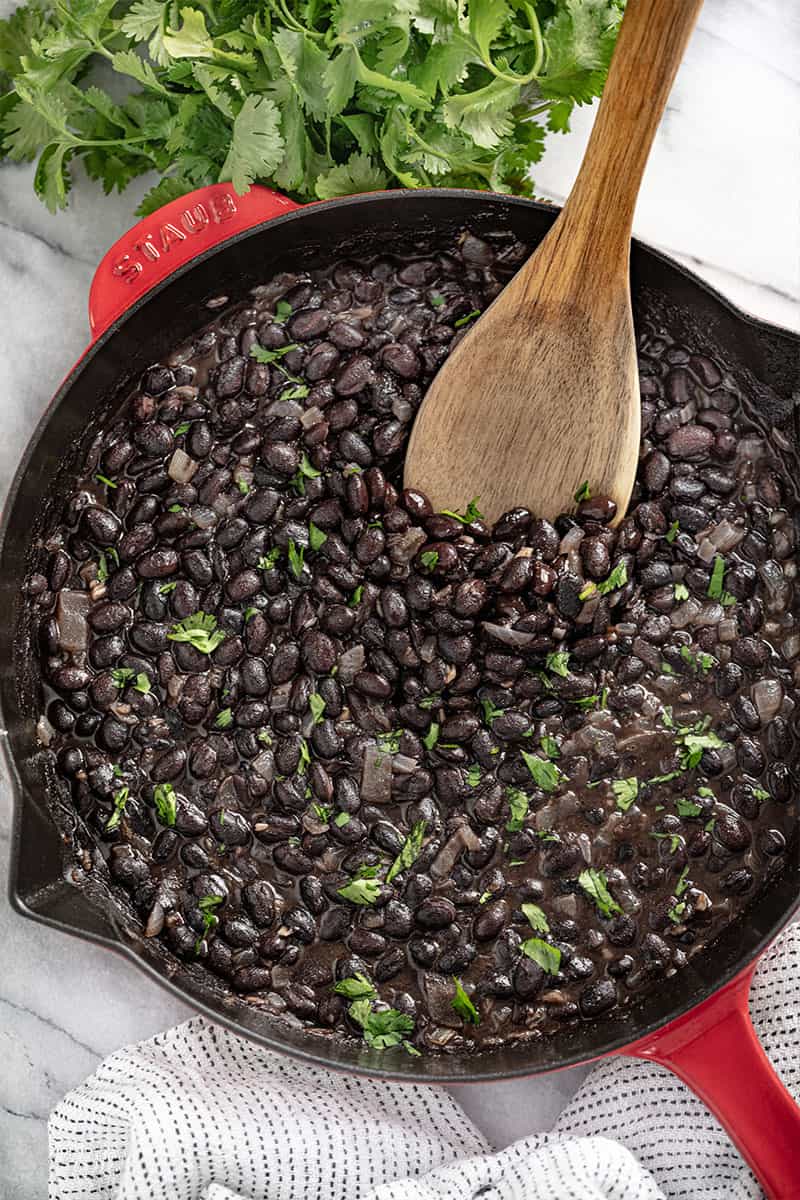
x: 542, y: 395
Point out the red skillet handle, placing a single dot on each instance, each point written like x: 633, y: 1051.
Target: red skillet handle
x: 172, y: 236
x: 714, y: 1049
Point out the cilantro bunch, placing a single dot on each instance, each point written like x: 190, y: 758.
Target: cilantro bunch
x: 319, y: 98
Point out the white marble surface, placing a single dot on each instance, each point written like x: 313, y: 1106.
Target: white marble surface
x: 722, y: 193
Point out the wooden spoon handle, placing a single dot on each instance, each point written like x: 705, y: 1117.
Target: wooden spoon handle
x: 598, y: 215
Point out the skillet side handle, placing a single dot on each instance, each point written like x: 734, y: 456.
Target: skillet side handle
x: 715, y: 1051
x: 171, y: 237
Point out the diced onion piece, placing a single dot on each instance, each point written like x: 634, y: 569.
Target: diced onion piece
x: 311, y: 417
x: 767, y: 697
x: 350, y: 663
x: 264, y: 765
x: 402, y: 547
x: 464, y: 838
x: 45, y: 731
x: 725, y: 536
x: 71, y: 613
x: 376, y: 777
x: 181, y: 467
x: 515, y: 638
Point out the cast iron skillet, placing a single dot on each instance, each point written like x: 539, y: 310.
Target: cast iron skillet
x: 148, y: 295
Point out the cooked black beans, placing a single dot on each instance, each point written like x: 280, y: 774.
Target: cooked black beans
x: 319, y: 729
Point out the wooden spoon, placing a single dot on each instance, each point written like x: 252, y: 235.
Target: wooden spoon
x: 543, y: 394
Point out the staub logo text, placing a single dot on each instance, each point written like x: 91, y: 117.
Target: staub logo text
x: 216, y: 210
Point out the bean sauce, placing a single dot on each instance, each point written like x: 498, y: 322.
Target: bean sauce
x: 407, y: 776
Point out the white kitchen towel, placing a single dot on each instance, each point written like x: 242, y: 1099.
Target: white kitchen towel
x: 200, y: 1114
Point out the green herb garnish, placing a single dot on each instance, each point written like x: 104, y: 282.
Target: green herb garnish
x: 223, y: 719
x: 268, y: 560
x: 557, y: 663
x: 385, y: 1028
x: 208, y: 906
x: 550, y: 746
x: 316, y: 706
x: 363, y: 888
x: 409, y: 851
x: 179, y: 430
x: 431, y: 737
x: 626, y: 791
x: 357, y: 987
x: 104, y: 479
x: 471, y: 512
x: 316, y: 537
x: 355, y: 599
x: 120, y: 800
x: 465, y: 320
x: 617, y: 579
x: 120, y: 675
x: 490, y: 711
x: 304, y: 471
x: 545, y: 774
x: 474, y: 775
x: 535, y: 917
x: 296, y: 559
x: 595, y: 885
x: 583, y: 492
x: 143, y: 684
x: 464, y: 1006
x: 166, y: 588
x: 429, y: 559
x: 165, y: 802
x: 548, y: 957
x: 672, y: 532
x: 681, y: 591
x: 341, y: 819
x: 518, y: 804
x: 199, y: 630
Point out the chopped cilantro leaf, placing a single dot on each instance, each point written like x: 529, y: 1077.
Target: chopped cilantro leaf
x: 296, y: 557
x: 357, y: 987
x: 199, y: 630
x: 464, y: 1006
x: 431, y: 737
x: 465, y: 320
x: 550, y: 746
x: 583, y: 492
x: 120, y: 800
x: 471, y: 512
x: 409, y: 851
x: 681, y: 591
x: 617, y: 579
x: 165, y: 802
x: 535, y: 917
x: 316, y: 537
x: 429, y: 559
x: 687, y: 808
x: 316, y: 706
x: 544, y: 773
x: 104, y: 479
x: 626, y: 791
x: 595, y: 885
x: 557, y: 663
x: 672, y: 532
x: 518, y: 804
x: 548, y: 957
x: 223, y: 719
